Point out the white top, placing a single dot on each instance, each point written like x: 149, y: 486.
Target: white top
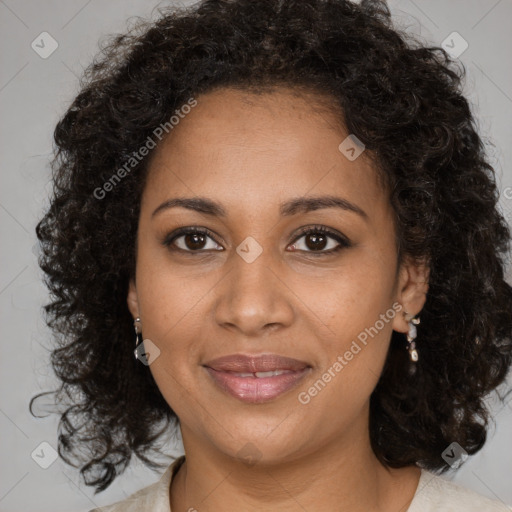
x: 433, y: 494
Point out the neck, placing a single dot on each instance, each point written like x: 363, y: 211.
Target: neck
x: 338, y: 476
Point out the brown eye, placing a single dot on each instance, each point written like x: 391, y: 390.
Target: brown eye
x: 194, y: 241
x: 191, y: 240
x: 320, y: 240
x: 316, y: 241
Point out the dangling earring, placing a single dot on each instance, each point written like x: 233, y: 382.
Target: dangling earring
x: 411, y: 336
x: 138, y: 336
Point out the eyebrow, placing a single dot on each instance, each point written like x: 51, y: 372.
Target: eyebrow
x: 286, y: 209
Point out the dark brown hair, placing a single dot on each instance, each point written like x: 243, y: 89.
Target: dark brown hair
x: 402, y: 99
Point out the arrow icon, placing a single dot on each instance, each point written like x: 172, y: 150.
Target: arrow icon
x: 351, y: 147
x: 249, y: 249
x: 44, y: 45
x: 44, y: 455
x: 147, y: 352
x: 454, y: 455
x: 455, y: 45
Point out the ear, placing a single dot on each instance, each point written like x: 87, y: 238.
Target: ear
x: 412, y: 291
x: 131, y: 299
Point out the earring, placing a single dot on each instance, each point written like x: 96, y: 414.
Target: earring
x: 411, y: 336
x: 138, y: 336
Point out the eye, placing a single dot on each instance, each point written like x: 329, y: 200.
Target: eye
x: 317, y: 239
x: 194, y: 240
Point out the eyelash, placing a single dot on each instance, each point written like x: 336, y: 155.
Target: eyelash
x: 343, y: 242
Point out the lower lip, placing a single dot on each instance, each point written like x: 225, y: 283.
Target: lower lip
x: 255, y: 390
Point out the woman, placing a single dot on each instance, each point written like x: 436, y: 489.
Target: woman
x: 288, y: 205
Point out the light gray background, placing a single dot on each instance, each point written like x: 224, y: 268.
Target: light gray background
x: 34, y: 92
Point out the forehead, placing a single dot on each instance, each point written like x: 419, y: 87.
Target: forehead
x: 248, y: 149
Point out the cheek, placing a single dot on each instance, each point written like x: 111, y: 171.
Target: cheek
x: 168, y: 297
x: 356, y: 298
x: 353, y: 359
x: 172, y: 318
x: 173, y: 323
x: 359, y: 311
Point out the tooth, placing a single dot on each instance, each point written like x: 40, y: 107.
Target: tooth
x: 270, y: 374
x: 260, y: 375
x: 265, y: 374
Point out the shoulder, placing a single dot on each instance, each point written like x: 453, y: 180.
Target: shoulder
x: 436, y: 494
x: 154, y: 497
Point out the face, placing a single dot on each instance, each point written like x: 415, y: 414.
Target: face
x: 254, y: 283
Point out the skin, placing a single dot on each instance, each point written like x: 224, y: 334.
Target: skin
x: 251, y: 153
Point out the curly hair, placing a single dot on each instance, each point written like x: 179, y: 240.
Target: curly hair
x: 402, y: 99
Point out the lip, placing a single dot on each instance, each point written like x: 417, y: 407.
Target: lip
x: 242, y: 363
x: 256, y: 390
x: 252, y: 389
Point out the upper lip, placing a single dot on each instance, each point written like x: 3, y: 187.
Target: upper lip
x: 256, y: 363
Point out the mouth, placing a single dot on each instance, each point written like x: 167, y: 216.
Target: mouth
x: 256, y: 379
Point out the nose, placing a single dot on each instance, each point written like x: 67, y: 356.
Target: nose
x: 253, y: 298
